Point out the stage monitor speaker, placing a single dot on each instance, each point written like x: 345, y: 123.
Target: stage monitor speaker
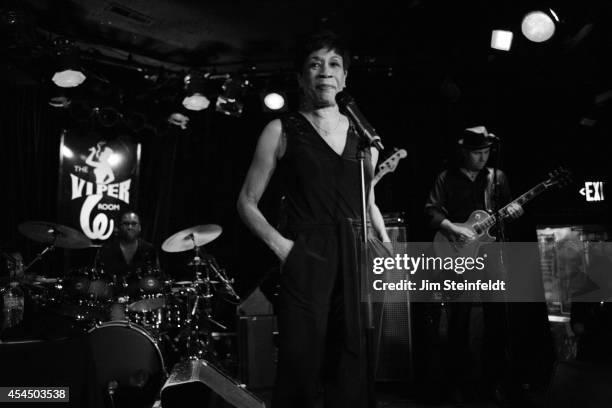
x: 257, y: 350
x: 580, y: 385
x: 393, y: 325
x: 256, y: 304
x: 192, y: 383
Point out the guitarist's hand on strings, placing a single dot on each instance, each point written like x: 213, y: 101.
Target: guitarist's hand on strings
x: 514, y: 210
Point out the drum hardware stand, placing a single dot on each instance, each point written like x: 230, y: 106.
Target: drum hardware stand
x: 203, y: 286
x: 48, y: 249
x: 197, y: 333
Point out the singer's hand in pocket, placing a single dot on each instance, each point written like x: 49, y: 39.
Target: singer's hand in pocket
x: 283, y: 251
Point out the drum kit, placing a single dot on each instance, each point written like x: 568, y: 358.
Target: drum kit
x: 140, y: 326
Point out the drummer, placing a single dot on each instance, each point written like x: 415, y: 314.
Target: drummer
x: 128, y: 255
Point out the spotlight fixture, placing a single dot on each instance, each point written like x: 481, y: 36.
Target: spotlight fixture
x: 66, y: 152
x: 501, y: 40
x: 538, y: 26
x: 274, y: 101
x: 115, y: 159
x: 60, y: 101
x: 178, y: 119
x: 229, y: 102
x: 68, y: 73
x: 195, y: 98
x: 196, y: 102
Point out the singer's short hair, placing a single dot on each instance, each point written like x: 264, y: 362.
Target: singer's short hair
x: 324, y: 39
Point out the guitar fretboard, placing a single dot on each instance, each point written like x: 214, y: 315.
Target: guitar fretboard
x: 503, y: 212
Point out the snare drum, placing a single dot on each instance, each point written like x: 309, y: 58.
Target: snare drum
x: 147, y: 291
x: 149, y: 313
x: 127, y: 353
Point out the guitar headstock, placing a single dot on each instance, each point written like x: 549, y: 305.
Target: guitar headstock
x: 391, y: 162
x: 559, y: 177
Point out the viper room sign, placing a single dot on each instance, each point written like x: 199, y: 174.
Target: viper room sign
x: 98, y: 179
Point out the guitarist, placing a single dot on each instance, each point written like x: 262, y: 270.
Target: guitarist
x: 458, y: 191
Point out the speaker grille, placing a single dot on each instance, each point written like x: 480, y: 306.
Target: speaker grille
x: 393, y: 328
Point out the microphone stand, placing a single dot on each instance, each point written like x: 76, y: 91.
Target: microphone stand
x: 501, y: 237
x: 370, y: 366
x: 496, y: 196
x: 369, y: 139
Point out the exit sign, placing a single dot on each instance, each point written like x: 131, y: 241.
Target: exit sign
x: 593, y: 190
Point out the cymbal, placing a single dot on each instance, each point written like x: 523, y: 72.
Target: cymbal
x: 184, y: 240
x: 43, y: 279
x: 50, y: 233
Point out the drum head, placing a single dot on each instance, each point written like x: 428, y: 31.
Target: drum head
x: 100, y: 289
x: 150, y: 283
x: 79, y: 286
x: 147, y: 305
x: 126, y: 353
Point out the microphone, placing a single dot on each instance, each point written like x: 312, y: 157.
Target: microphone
x: 348, y: 106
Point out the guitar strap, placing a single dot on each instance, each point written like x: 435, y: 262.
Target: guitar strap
x: 488, y: 193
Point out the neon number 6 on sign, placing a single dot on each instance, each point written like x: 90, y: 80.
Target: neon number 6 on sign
x: 101, y: 227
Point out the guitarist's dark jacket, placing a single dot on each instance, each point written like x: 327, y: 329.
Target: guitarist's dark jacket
x: 454, y: 196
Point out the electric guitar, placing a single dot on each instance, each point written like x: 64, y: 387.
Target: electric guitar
x: 389, y: 165
x: 480, y: 222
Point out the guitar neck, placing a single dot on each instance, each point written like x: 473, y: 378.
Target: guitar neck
x: 523, y: 199
x: 377, y: 178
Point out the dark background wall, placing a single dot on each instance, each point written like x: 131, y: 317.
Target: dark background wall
x: 418, y: 76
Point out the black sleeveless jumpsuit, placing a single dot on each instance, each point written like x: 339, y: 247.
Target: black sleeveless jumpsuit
x: 320, y: 336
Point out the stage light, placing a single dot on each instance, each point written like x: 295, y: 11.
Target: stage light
x: 114, y: 159
x: 229, y: 106
x: 68, y: 73
x: 274, y: 101
x: 501, y: 40
x: 229, y: 102
x: 178, y: 119
x: 538, y: 26
x: 195, y: 98
x: 66, y: 152
x: 68, y: 78
x: 196, y: 102
x: 59, y: 101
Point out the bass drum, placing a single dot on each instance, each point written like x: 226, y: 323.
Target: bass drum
x: 126, y: 353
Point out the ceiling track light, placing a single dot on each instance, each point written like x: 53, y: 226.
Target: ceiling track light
x: 195, y: 91
x: 68, y: 72
x: 539, y: 26
x: 229, y: 102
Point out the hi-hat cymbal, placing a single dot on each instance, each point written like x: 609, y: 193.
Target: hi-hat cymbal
x: 185, y: 239
x: 50, y: 233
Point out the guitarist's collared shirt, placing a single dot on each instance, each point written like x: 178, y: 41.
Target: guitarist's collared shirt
x: 454, y: 196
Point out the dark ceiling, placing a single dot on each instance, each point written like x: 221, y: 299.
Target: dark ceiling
x: 232, y: 33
